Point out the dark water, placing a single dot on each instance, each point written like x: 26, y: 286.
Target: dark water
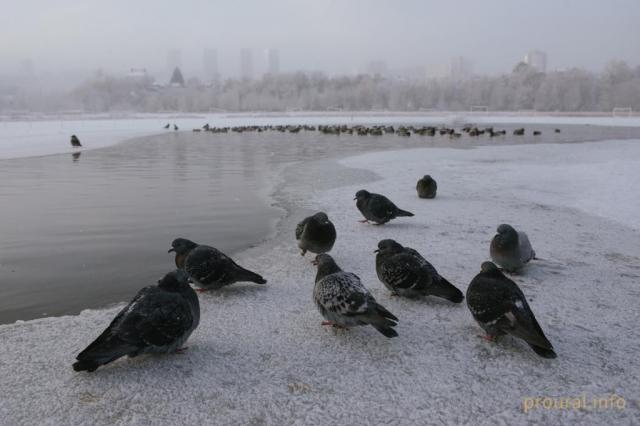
x: 85, y: 232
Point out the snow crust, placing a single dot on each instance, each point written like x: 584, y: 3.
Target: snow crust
x: 260, y: 355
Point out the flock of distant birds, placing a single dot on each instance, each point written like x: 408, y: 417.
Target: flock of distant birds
x: 161, y: 318
x: 362, y: 130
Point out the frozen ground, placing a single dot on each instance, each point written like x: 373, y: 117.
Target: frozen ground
x: 260, y: 355
x: 43, y: 137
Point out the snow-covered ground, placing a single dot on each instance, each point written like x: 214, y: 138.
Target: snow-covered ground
x: 44, y: 137
x: 260, y: 355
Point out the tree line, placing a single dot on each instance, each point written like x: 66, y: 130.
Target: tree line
x: 571, y: 90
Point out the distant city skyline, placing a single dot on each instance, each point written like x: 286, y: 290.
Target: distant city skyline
x: 334, y: 37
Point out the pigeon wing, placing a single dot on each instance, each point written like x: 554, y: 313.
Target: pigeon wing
x: 402, y: 271
x: 382, y: 207
x: 159, y: 320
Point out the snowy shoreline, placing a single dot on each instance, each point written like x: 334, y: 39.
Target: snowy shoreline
x: 260, y: 354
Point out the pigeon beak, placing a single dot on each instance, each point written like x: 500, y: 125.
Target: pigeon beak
x: 171, y: 250
x: 314, y: 262
x: 376, y: 251
x: 355, y: 198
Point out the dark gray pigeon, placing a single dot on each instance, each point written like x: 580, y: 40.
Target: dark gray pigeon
x: 75, y: 142
x: 406, y: 273
x: 377, y: 208
x: 427, y: 187
x: 209, y: 268
x: 499, y: 306
x: 511, y: 249
x: 158, y: 320
x: 316, y: 234
x: 167, y: 126
x: 344, y: 302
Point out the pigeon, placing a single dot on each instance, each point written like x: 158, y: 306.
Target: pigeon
x: 499, y: 307
x: 175, y: 127
x: 406, y: 273
x: 344, y: 302
x: 75, y: 142
x: 316, y: 234
x: 158, y: 320
x: 511, y: 249
x: 377, y: 208
x: 208, y: 267
x: 427, y: 187
x: 167, y: 126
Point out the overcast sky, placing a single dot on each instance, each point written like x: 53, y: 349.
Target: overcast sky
x: 334, y: 36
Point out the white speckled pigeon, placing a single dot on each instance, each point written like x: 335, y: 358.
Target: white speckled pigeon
x: 316, y: 234
x: 377, y: 208
x: 344, y: 302
x: 208, y: 267
x: 158, y: 320
x: 406, y: 273
x: 511, y: 249
x: 499, y: 307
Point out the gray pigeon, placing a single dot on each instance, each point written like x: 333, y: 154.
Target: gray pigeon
x: 511, y: 249
x: 208, y: 267
x: 377, y: 208
x: 316, y: 234
x: 344, y: 302
x: 427, y: 187
x: 406, y: 273
x: 499, y: 306
x: 75, y: 142
x: 158, y: 320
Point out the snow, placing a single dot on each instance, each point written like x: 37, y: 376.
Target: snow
x: 261, y: 356
x: 51, y: 136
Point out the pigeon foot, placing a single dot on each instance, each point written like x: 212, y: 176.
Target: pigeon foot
x: 488, y: 337
x: 181, y: 350
x: 364, y: 221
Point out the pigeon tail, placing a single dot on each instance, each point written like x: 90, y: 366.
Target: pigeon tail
x: 383, y: 312
x: 102, y: 351
x: 544, y: 352
x: 401, y: 212
x: 446, y: 290
x: 385, y: 330
x: 383, y: 321
x: 246, y: 275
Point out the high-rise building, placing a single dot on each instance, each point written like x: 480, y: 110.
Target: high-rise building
x: 273, y: 61
x: 460, y: 68
x: 210, y: 65
x: 537, y: 60
x: 174, y: 59
x: 246, y: 64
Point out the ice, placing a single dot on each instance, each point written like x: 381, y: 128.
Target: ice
x: 260, y: 355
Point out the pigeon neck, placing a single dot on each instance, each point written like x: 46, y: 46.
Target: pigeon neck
x: 327, y: 268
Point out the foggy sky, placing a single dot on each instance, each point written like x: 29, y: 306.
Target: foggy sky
x: 335, y: 36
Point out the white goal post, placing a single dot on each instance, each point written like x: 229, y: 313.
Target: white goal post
x: 622, y: 112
